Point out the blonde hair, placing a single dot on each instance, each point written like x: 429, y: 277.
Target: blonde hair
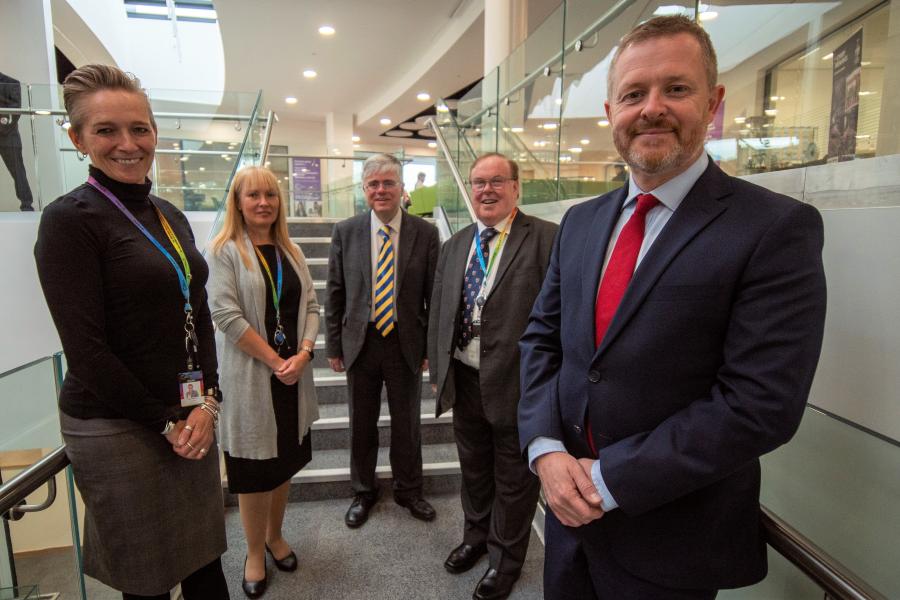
x: 90, y: 79
x: 233, y: 229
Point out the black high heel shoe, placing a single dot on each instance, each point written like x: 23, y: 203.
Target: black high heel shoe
x: 288, y: 563
x: 253, y: 589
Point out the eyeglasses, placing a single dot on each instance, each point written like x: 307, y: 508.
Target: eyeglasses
x: 387, y: 184
x: 496, y: 183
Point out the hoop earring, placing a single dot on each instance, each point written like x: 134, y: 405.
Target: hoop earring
x: 81, y: 155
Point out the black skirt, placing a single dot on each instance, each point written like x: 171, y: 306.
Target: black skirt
x: 247, y: 475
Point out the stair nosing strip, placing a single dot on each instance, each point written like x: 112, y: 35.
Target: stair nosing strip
x: 330, y: 423
x: 335, y: 474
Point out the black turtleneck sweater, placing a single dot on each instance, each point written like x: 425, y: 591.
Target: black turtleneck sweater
x: 117, y: 304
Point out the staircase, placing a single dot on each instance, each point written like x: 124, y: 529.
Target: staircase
x: 327, y: 476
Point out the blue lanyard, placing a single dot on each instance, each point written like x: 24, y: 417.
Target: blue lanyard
x: 183, y: 280
x: 276, y: 291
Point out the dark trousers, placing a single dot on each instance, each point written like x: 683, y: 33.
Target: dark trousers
x: 11, y: 153
x: 574, y: 570
x: 206, y: 583
x: 499, y: 493
x: 381, y: 363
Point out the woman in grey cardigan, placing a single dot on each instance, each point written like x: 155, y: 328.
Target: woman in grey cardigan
x: 264, y: 306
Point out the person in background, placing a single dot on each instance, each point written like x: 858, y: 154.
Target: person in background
x: 420, y: 181
x: 673, y: 343
x: 11, y: 141
x: 264, y: 305
x: 125, y: 287
x: 380, y: 275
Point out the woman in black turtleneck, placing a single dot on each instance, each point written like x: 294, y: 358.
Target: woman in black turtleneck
x: 144, y: 458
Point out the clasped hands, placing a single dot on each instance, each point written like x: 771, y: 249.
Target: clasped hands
x: 288, y: 370
x: 569, y: 488
x: 192, y: 437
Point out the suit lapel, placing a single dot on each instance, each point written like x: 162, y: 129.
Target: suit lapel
x: 364, y: 235
x: 456, y: 268
x: 520, y: 228
x: 407, y: 242
x: 699, y: 208
x: 595, y: 246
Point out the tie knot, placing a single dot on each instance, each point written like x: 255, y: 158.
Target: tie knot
x: 385, y: 231
x: 645, y: 202
x: 488, y: 234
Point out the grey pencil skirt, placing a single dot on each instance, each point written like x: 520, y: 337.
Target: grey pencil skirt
x: 151, y: 517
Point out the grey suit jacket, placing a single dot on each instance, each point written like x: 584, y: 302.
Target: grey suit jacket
x: 348, y: 301
x: 504, y: 317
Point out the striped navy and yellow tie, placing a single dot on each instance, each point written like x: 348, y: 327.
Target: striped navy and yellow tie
x: 384, y: 284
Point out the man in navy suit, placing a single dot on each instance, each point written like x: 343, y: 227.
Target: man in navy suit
x: 673, y: 343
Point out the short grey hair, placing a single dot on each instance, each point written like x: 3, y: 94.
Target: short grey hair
x: 378, y: 163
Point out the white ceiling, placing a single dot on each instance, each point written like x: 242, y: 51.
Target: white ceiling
x: 383, y: 53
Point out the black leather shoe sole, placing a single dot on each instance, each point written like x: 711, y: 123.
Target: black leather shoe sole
x: 287, y: 564
x: 253, y: 589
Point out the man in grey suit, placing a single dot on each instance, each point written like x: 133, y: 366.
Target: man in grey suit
x: 380, y: 275
x: 487, y: 279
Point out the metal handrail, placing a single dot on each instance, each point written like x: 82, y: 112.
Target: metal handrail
x: 838, y: 581
x: 16, y: 489
x: 442, y: 144
x: 43, y: 112
x: 270, y: 120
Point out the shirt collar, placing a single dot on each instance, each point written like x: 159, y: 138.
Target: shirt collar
x: 394, y: 223
x: 672, y: 192
x: 499, y: 226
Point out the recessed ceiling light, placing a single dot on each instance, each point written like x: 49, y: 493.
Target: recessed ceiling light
x: 432, y: 144
x: 771, y: 112
x: 209, y: 142
x: 603, y: 123
x: 355, y: 138
x: 290, y: 100
x: 336, y: 150
x: 517, y: 129
x: 202, y: 169
x: 326, y: 30
x: 225, y: 156
x: 443, y: 108
x: 740, y: 120
x: 550, y: 126
x: 584, y: 141
x: 385, y: 121
x: 575, y: 150
x: 174, y: 144
x: 423, y: 96
x: 310, y: 73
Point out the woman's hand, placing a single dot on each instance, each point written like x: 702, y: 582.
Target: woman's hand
x: 292, y: 368
x: 194, y: 436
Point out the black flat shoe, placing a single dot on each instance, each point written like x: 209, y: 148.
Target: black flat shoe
x: 494, y: 585
x: 253, y: 589
x: 464, y: 557
x: 288, y: 563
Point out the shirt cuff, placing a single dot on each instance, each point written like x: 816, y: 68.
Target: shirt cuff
x: 540, y: 446
x: 608, y: 502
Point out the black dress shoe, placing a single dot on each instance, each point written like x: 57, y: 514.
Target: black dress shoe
x: 358, y: 513
x: 253, y: 589
x: 288, y: 563
x: 419, y: 508
x: 494, y: 585
x: 464, y: 557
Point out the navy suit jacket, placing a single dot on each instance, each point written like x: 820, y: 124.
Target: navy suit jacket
x: 706, y: 366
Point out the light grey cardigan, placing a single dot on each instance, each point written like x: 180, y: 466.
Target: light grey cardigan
x: 237, y: 300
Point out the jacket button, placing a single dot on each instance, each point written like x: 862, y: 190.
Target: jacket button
x: 577, y: 428
x: 594, y: 376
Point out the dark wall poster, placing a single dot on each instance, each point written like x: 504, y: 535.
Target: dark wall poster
x: 307, y: 179
x: 845, y: 99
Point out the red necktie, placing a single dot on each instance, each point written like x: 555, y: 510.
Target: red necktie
x: 617, y: 276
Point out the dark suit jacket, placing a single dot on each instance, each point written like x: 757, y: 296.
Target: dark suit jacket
x: 349, y: 288
x: 706, y: 366
x: 520, y: 272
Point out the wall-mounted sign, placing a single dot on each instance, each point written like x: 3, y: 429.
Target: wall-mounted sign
x: 306, y: 174
x: 845, y: 99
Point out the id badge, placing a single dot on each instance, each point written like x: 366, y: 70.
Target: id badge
x: 190, y: 386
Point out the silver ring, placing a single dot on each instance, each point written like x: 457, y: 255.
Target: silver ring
x: 202, y: 450
x: 188, y: 428
x: 191, y: 446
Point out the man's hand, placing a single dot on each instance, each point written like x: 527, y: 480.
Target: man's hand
x: 569, y: 490
x: 336, y: 364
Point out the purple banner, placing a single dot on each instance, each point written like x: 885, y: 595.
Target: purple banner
x: 307, y: 179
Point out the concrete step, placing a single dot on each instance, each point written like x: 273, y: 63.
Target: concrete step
x: 318, y: 268
x: 328, y: 474
x: 313, y: 247
x: 333, y: 432
x: 311, y: 226
x: 331, y: 387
